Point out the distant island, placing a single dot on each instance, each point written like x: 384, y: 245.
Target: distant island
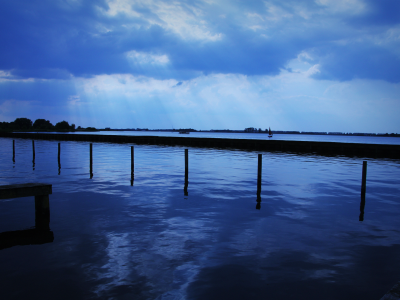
x: 42, y: 125
x: 255, y: 130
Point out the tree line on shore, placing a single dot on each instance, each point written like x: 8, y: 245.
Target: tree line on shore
x: 25, y: 124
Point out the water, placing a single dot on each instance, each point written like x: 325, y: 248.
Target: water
x: 259, y: 136
x: 114, y: 240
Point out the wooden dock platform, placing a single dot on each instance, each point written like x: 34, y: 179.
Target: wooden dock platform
x: 41, y: 233
x: 322, y: 148
x: 25, y: 190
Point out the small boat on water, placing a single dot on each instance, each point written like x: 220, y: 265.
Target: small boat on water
x: 270, y: 132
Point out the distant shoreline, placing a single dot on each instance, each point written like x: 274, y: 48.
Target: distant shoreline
x: 257, y: 132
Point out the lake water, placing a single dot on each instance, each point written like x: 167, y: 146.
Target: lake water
x: 148, y: 240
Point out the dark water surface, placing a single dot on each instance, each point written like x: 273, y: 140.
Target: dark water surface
x: 114, y: 240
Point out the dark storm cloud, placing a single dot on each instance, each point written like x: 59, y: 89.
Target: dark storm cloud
x: 363, y: 60
x: 57, y: 39
x: 53, y: 92
x: 44, y: 39
x: 383, y: 12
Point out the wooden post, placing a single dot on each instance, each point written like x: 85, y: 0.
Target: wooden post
x: 59, y: 152
x: 186, y: 172
x: 132, y: 161
x: 364, y: 178
x: 363, y: 189
x: 13, y: 150
x: 33, y: 150
x: 59, y: 158
x: 132, y: 165
x: 91, y: 160
x: 259, y: 177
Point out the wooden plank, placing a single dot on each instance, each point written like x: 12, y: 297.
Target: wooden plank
x: 25, y: 190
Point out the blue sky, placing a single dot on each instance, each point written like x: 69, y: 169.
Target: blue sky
x: 307, y: 65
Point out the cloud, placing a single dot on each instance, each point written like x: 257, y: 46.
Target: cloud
x: 146, y: 58
x: 292, y: 65
x: 181, y: 18
x: 183, y: 39
x: 352, y: 7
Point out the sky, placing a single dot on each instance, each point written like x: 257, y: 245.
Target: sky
x: 304, y: 65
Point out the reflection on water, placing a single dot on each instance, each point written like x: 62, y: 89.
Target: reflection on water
x: 31, y: 236
x: 362, y: 206
x: 147, y: 240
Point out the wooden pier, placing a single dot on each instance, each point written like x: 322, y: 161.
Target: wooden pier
x: 39, y: 190
x: 41, y: 233
x: 323, y: 148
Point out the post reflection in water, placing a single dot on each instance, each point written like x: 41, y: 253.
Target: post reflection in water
x: 258, y: 205
x: 33, y: 149
x: 31, y: 236
x: 42, y: 212
x: 362, y: 205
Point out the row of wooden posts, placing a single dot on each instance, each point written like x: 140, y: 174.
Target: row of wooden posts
x: 259, y: 172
